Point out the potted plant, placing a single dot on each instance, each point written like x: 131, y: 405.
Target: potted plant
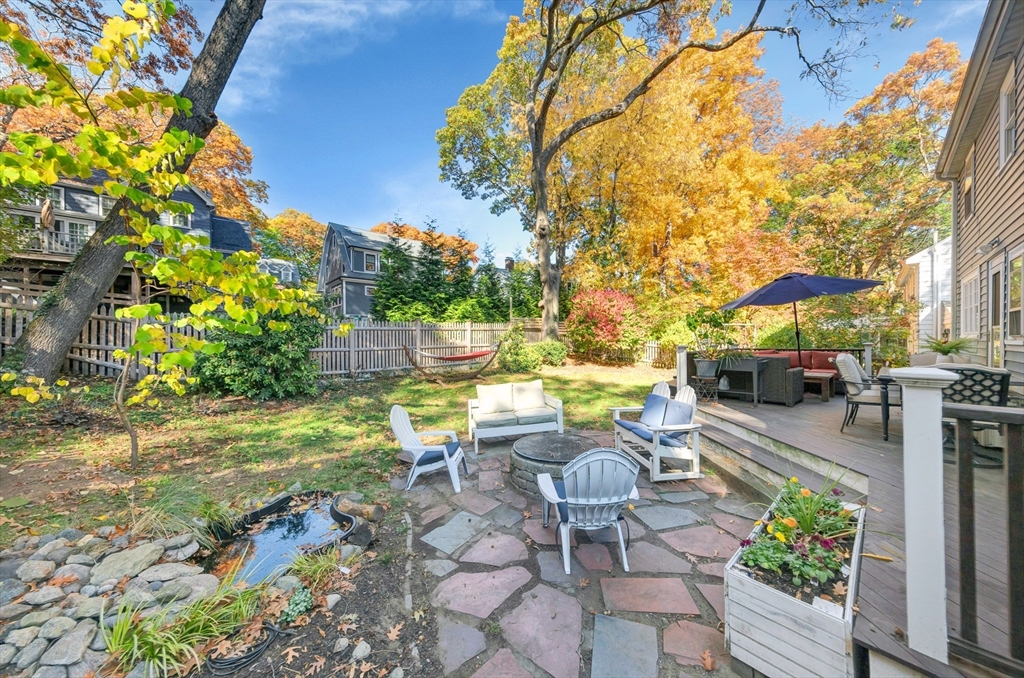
x: 790, y: 589
x: 947, y: 348
x: 710, y: 338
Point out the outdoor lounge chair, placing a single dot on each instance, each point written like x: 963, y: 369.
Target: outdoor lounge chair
x: 861, y: 389
x: 684, y: 395
x: 664, y: 436
x: 594, y: 489
x: 427, y: 458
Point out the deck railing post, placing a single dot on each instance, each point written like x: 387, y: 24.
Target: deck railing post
x: 681, y: 376
x: 867, y: 358
x: 924, y: 513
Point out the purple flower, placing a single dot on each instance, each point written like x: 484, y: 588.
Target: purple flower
x: 836, y: 492
x: 745, y: 543
x: 828, y: 544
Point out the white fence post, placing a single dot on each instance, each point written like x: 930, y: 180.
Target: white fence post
x: 867, y: 358
x: 924, y: 512
x: 681, y: 376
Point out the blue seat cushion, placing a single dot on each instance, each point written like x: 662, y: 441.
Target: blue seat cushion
x: 562, y: 506
x: 654, y: 410
x: 434, y: 456
x: 674, y: 439
x: 677, y: 413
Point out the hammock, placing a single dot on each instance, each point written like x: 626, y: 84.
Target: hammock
x: 467, y: 358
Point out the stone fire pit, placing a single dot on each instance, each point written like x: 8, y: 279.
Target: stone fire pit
x: 544, y: 453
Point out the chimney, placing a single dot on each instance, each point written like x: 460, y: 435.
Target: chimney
x: 509, y: 263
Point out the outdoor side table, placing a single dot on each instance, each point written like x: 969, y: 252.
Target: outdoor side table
x: 825, y: 379
x: 706, y: 389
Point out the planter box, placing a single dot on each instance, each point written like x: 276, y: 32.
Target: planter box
x: 781, y: 636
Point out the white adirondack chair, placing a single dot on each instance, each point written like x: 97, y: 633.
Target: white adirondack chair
x: 595, y: 487
x: 427, y: 458
x: 684, y: 395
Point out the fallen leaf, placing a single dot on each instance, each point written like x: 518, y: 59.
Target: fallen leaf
x: 317, y: 466
x: 345, y: 627
x: 825, y: 596
x: 884, y: 559
x: 62, y: 580
x: 707, y: 662
x: 584, y: 583
x: 223, y: 648
x: 290, y: 653
x: 317, y: 666
x: 417, y: 615
x: 527, y: 514
x: 366, y: 667
x: 394, y: 631
x: 839, y: 588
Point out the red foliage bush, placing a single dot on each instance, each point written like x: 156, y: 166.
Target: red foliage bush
x: 605, y: 324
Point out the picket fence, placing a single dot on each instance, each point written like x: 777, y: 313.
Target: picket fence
x: 369, y: 348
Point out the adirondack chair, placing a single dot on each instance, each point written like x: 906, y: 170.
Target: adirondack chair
x: 595, y: 487
x: 427, y: 458
x: 665, y: 432
x: 684, y: 395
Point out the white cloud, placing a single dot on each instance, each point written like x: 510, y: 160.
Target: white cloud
x: 954, y: 13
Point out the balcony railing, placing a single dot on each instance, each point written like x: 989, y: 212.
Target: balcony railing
x: 51, y: 242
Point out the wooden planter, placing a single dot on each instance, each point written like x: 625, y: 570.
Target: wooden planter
x: 781, y: 636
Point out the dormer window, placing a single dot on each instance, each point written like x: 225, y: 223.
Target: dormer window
x: 106, y: 204
x: 370, y: 263
x: 55, y: 194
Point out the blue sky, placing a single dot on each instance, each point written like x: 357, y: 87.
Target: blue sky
x: 340, y: 99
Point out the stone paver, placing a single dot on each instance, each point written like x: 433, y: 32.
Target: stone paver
x: 502, y: 665
x: 714, y: 594
x: 461, y: 528
x: 536, y: 531
x: 553, y: 571
x: 713, y: 569
x: 704, y: 541
x: 711, y: 485
x: 623, y: 648
x: 474, y: 501
x: 686, y: 641
x: 505, y: 515
x: 491, y: 464
x: 666, y: 595
x: 734, y: 525
x: 512, y: 498
x: 609, y: 535
x: 683, y: 497
x: 490, y: 480
x: 479, y: 594
x: 740, y: 508
x: 439, y: 568
x: 644, y: 557
x: 665, y: 517
x: 497, y: 550
x: 430, y: 515
x: 546, y: 627
x: 594, y: 557
x: 457, y: 643
x: 648, y: 493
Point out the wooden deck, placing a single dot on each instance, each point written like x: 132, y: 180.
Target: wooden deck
x: 813, y: 426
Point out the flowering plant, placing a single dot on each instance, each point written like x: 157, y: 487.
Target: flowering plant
x: 804, y: 535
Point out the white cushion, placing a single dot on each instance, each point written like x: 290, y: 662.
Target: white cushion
x: 496, y: 398
x: 922, y: 359
x: 536, y: 415
x: 528, y: 396
x: 874, y: 395
x: 495, y: 420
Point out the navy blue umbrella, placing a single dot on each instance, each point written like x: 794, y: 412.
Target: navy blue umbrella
x: 794, y: 287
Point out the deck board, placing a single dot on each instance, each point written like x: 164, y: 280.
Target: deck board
x: 813, y: 426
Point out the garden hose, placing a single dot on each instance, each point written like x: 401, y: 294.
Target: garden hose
x: 229, y: 665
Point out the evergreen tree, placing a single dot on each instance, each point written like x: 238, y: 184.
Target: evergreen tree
x: 491, y: 295
x: 525, y: 288
x: 395, y: 283
x: 460, y: 273
x: 431, y: 287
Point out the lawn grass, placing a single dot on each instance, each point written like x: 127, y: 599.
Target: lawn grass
x: 338, y: 440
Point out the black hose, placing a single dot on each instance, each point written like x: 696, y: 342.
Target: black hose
x: 229, y: 665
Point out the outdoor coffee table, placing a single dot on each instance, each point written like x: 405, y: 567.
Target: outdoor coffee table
x: 544, y: 453
x: 826, y: 379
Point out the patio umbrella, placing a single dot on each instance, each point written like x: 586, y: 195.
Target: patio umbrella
x: 794, y: 287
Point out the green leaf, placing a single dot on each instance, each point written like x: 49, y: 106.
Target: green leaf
x: 14, y: 502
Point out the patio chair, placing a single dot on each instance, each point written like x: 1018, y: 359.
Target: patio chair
x: 977, y: 385
x: 684, y: 395
x: 665, y: 436
x: 427, y: 458
x: 594, y: 489
x: 861, y: 389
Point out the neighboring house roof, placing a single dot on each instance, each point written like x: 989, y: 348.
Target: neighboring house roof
x: 99, y: 176
x: 229, y: 235
x: 916, y: 258
x: 282, y: 269
x: 1002, y: 30
x: 368, y: 240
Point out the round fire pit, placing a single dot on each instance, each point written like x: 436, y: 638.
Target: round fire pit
x: 544, y: 453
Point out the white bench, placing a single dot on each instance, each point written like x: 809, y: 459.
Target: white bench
x: 659, y: 436
x: 512, y: 409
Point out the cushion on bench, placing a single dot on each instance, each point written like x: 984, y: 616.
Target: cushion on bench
x: 675, y: 439
x: 494, y: 419
x: 496, y: 398
x: 528, y: 396
x: 537, y: 415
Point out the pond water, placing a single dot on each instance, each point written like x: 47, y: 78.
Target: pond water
x: 267, y: 547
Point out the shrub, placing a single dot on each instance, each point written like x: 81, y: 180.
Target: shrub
x: 515, y: 354
x: 417, y: 310
x: 463, y: 310
x: 272, y: 364
x: 605, y: 325
x: 551, y: 352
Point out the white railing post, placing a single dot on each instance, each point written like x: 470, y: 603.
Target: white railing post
x: 924, y: 512
x: 681, y: 376
x: 867, y: 358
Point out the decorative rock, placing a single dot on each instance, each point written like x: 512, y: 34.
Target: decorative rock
x: 667, y: 595
x: 126, y: 563
x: 58, y: 555
x: 36, y: 570
x: 79, y: 571
x: 686, y: 641
x: 740, y: 508
x: 172, y: 591
x: 594, y: 557
x: 399, y: 672
x: 497, y: 550
x: 457, y: 644
x: 297, y: 487
x: 22, y: 637
x: 106, y: 531
x: 90, y: 665
x: 183, y: 553
x: 70, y: 648
x: 556, y: 653
x: 439, y: 568
x: 479, y: 594
x: 287, y: 583
x: 71, y: 535
x: 7, y: 653
x: 50, y: 672
x: 143, y: 670
x: 644, y: 557
x: 95, y: 548
x: 30, y: 654
x: 106, y: 588
x: 460, y: 529
x: 202, y: 585
x: 349, y: 550
x: 665, y: 517
x: 9, y: 568
x: 13, y: 611
x: 98, y: 644
x: 137, y: 599
x: 80, y: 559
x: 56, y: 627
x: 332, y: 600
x: 502, y: 665
x: 552, y: 570
x: 11, y: 589
x: 624, y: 648
x: 178, y: 541
x: 704, y: 541
x: 168, y: 571
x: 341, y: 644
x: 91, y: 607
x: 46, y: 549
x: 89, y: 590
x: 361, y: 652
x: 38, y: 618
x: 137, y: 583
x: 44, y: 596
x: 155, y: 585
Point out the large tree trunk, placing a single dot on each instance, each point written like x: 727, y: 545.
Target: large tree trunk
x: 59, y: 320
x: 550, y: 275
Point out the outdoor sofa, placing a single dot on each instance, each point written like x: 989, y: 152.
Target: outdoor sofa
x: 783, y: 383
x: 512, y: 409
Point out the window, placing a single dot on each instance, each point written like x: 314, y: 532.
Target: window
x: 79, y: 228
x: 969, y: 307
x: 1007, y: 118
x: 370, y: 264
x: 26, y: 221
x: 179, y: 220
x: 106, y: 204
x: 1014, y: 297
x: 56, y: 197
x: 370, y: 290
x: 969, y: 184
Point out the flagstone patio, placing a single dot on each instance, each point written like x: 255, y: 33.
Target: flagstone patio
x: 493, y: 576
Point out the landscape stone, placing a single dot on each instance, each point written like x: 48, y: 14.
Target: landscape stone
x: 56, y: 627
x: 7, y: 653
x: 143, y: 670
x: 349, y: 550
x: 361, y: 652
x: 513, y: 499
x: 489, y: 480
x: 106, y: 530
x: 57, y: 555
x: 138, y: 583
x: 553, y: 643
x: 137, y: 599
x: 624, y: 648
x: 11, y: 589
x: 96, y: 547
x: 497, y: 550
x: 80, y: 559
x: 71, y: 534
x: 481, y: 593
x: 704, y: 541
x: 178, y: 541
x: 645, y: 557
x: 439, y: 568
x: 534, y: 528
x: 462, y: 527
x: 21, y: 637
x: 595, y: 557
x: 430, y: 515
x: 610, y: 535
x: 168, y: 571
x: 740, y: 508
x: 332, y: 600
x: 50, y: 672
x: 665, y: 595
x: 686, y: 641
x: 297, y: 487
x: 683, y: 497
x: 183, y: 553
x: 126, y: 563
x: 89, y: 590
x: 44, y: 596
x: 36, y: 570
x: 736, y: 526
x: 31, y: 653
x: 505, y: 515
x: 13, y: 611
x: 172, y: 591
x: 398, y: 672
x: 553, y: 572
x: 475, y: 502
x: 79, y: 571
x: 70, y: 648
x: 713, y: 569
x: 490, y: 464
x: 9, y: 568
x: 98, y: 644
x: 341, y: 644
x: 106, y: 588
x: 38, y: 618
x: 287, y: 583
x: 202, y: 585
x: 648, y: 493
x: 665, y: 517
x: 457, y: 644
x: 714, y: 594
x: 46, y: 549
x: 502, y: 665
x: 90, y: 607
x: 90, y: 665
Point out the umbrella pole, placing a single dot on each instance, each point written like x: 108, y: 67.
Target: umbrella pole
x: 796, y: 323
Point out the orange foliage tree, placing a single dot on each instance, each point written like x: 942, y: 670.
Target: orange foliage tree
x: 454, y: 248
x: 295, y: 236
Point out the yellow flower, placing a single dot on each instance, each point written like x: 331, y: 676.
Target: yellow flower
x: 781, y: 537
x: 805, y: 492
x: 771, y: 528
x: 756, y: 523
x: 62, y: 382
x: 794, y: 480
x: 790, y: 522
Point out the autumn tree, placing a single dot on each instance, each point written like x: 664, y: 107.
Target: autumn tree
x: 295, y: 236
x: 454, y: 248
x: 503, y: 137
